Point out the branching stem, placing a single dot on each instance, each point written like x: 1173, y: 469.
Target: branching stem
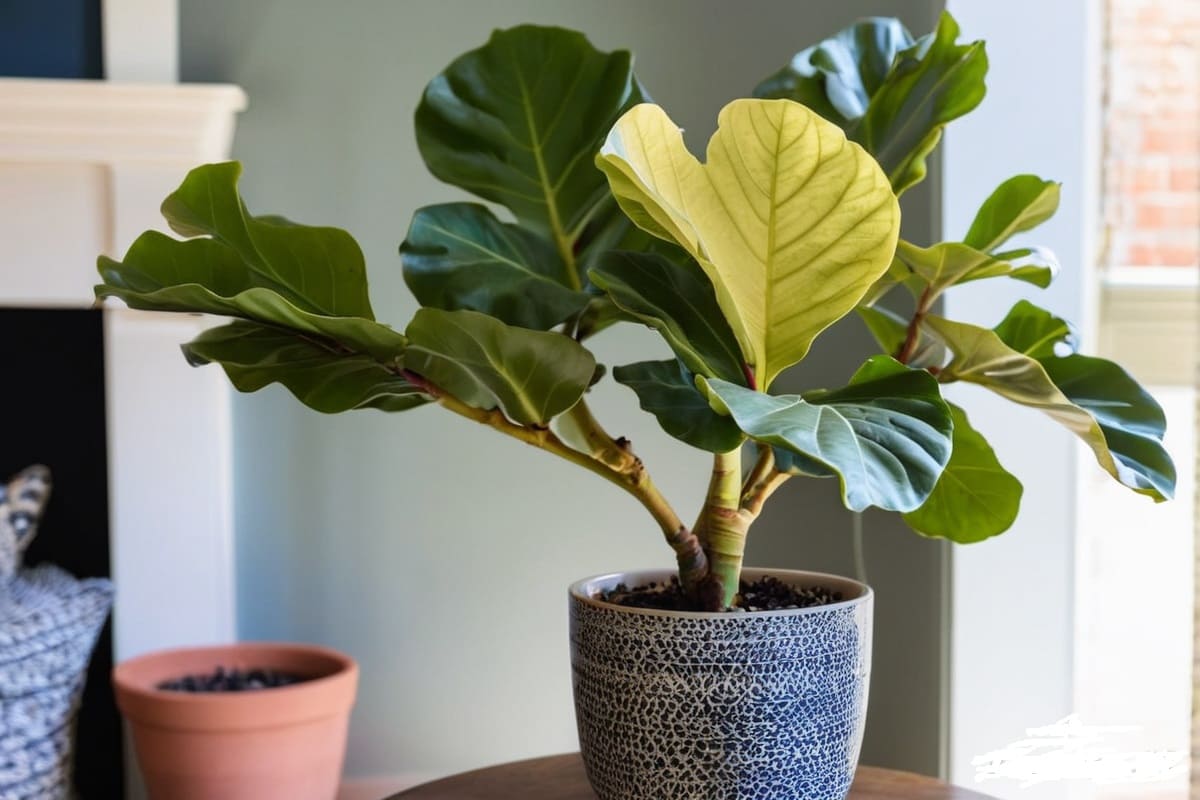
x: 757, y: 496
x: 631, y: 477
x: 913, y: 336
x: 762, y: 466
x: 616, y: 454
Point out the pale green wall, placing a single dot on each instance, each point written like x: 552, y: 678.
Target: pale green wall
x: 437, y: 554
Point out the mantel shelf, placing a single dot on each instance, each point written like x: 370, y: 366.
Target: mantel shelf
x: 65, y: 121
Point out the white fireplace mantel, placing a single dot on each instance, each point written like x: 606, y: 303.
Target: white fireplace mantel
x: 61, y: 121
x: 84, y: 166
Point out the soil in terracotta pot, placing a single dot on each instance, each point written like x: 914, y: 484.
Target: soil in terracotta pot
x: 231, y: 680
x: 763, y: 594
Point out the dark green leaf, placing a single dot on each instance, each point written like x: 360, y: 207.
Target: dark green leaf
x: 837, y: 77
x: 459, y: 256
x: 258, y: 268
x: 930, y: 84
x: 532, y: 376
x: 886, y: 434
x: 1132, y: 421
x: 316, y: 269
x: 679, y: 302
x: 518, y: 122
x: 976, y: 498
x: 315, y: 371
x: 600, y: 313
x: 1035, y: 331
x: 204, y: 276
x: 1098, y: 402
x: 665, y: 389
x: 1019, y: 204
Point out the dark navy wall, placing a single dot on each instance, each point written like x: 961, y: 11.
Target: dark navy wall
x: 50, y: 39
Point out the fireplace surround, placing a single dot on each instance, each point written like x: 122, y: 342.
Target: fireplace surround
x: 83, y: 168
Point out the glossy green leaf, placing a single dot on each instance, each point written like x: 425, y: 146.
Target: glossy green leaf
x: 518, y: 121
x: 947, y: 264
x: 317, y: 269
x: 202, y: 276
x: 1131, y: 420
x: 837, y: 77
x: 791, y: 223
x: 930, y: 84
x: 317, y: 372
x: 891, y: 330
x: 1034, y: 264
x: 597, y: 315
x: 975, y: 498
x: 793, y: 463
x: 1019, y: 204
x: 1036, y: 332
x: 677, y: 300
x: 459, y: 256
x: 666, y: 390
x: 532, y: 376
x: 886, y: 434
x: 307, y: 279
x: 1117, y: 419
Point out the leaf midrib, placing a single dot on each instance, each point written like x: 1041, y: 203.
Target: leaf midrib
x: 470, y: 243
x: 550, y: 196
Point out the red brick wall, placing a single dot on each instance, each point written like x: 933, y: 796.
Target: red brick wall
x: 1151, y: 202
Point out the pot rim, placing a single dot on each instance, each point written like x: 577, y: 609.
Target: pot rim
x: 345, y: 667
x: 579, y: 591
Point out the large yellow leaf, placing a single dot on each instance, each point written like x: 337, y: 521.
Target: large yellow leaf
x: 791, y: 222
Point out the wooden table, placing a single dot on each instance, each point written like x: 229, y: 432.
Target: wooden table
x: 562, y: 778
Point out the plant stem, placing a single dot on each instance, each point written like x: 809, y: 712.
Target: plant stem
x: 633, y: 478
x: 763, y: 465
x: 856, y: 540
x: 724, y: 525
x: 754, y: 499
x: 913, y: 336
x: 602, y: 447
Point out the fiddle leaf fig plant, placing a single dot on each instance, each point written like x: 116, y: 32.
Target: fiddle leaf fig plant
x: 593, y: 212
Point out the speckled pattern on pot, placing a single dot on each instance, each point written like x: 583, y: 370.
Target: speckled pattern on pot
x: 728, y: 706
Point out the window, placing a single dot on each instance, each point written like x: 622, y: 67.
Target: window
x: 1135, y: 562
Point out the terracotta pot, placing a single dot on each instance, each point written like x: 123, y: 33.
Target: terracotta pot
x: 286, y: 743
x: 767, y: 705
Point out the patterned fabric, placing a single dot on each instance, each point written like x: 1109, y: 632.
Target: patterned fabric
x: 735, y: 706
x: 21, y: 504
x: 49, y: 622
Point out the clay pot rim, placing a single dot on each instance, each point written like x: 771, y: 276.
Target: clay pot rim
x: 582, y: 591
x: 346, y: 668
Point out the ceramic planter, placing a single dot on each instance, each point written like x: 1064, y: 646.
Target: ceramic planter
x: 721, y: 706
x: 286, y: 743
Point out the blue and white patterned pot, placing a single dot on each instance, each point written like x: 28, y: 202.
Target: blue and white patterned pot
x: 720, y: 706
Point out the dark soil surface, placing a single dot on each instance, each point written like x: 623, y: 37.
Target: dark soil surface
x: 764, y: 594
x: 233, y: 680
